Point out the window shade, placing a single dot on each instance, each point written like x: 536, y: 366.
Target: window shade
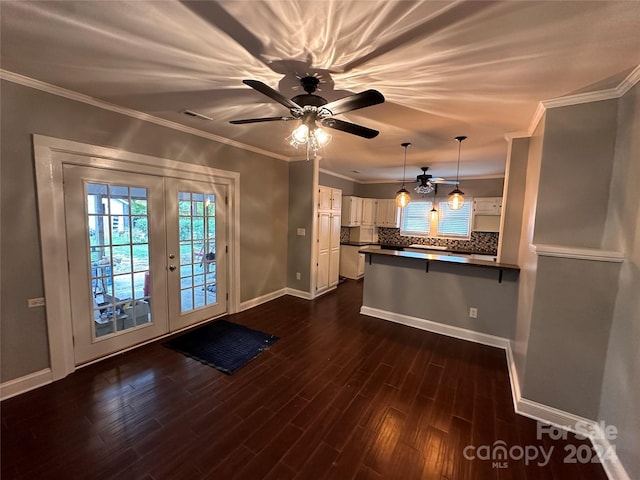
x: 415, y: 219
x: 454, y: 223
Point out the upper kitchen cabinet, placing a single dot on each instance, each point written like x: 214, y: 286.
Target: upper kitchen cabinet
x: 486, y: 214
x: 488, y: 206
x: 386, y: 213
x: 368, y: 212
x: 329, y: 199
x: 351, y: 211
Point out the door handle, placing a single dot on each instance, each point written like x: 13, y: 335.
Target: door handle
x: 172, y: 267
x: 172, y: 256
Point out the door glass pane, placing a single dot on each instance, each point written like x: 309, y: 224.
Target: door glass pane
x: 119, y: 253
x: 197, y: 226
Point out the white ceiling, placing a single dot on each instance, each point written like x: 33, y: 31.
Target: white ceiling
x: 445, y: 68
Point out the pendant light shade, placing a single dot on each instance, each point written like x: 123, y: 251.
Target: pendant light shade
x: 456, y: 196
x: 402, y: 197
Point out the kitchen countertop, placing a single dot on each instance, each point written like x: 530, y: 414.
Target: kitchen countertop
x: 392, y: 246
x: 439, y: 258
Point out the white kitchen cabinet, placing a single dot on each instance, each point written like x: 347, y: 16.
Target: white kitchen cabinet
x: 328, y: 238
x: 386, y: 213
x: 486, y: 214
x: 368, y: 212
x: 351, y: 211
x: 351, y: 262
x: 488, y: 206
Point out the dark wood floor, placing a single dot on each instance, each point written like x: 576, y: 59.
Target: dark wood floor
x: 341, y: 396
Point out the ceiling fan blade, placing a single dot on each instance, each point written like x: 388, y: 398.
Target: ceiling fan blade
x: 265, y: 119
x: 273, y: 94
x: 354, y: 102
x: 445, y: 182
x: 349, y: 127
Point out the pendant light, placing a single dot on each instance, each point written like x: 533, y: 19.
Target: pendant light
x: 433, y: 213
x: 456, y: 196
x: 402, y: 197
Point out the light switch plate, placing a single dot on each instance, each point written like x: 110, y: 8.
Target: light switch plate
x: 302, y: 232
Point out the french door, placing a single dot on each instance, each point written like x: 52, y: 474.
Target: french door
x: 147, y: 256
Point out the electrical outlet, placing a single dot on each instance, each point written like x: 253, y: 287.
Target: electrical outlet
x: 297, y: 275
x: 473, y: 312
x: 35, y: 302
x: 301, y: 232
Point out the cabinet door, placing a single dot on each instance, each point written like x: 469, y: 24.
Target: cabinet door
x: 336, y: 200
x: 356, y: 212
x: 381, y: 213
x: 368, y: 212
x: 324, y: 198
x: 488, y: 206
x: 334, y: 250
x: 361, y: 264
x: 324, y: 248
x: 392, y: 214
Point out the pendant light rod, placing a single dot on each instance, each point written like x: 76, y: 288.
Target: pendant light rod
x: 456, y: 196
x: 459, y: 138
x: 402, y: 197
x: 404, y: 169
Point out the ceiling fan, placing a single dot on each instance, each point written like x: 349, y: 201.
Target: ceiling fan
x: 312, y: 109
x: 427, y: 183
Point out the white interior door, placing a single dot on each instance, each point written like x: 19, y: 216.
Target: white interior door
x: 115, y: 224
x: 197, y: 251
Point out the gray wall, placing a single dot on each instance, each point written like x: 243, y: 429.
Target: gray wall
x: 263, y: 205
x: 620, y: 395
x: 513, y: 202
x: 444, y: 294
x: 301, y: 188
x: 490, y: 187
x: 527, y: 260
x: 327, y: 180
x: 565, y: 305
x: 574, y: 188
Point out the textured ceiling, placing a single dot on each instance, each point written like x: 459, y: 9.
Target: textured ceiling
x: 445, y: 68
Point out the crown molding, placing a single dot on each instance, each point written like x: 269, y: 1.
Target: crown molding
x: 79, y: 97
x: 580, y: 98
x: 625, y: 85
x: 629, y: 82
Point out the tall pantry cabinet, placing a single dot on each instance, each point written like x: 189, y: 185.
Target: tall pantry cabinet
x: 328, y: 239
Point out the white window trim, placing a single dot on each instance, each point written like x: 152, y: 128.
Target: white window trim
x: 50, y: 156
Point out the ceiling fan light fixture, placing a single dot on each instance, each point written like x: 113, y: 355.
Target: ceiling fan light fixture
x: 300, y: 135
x: 322, y: 138
x: 456, y: 196
x: 425, y: 188
x: 402, y: 197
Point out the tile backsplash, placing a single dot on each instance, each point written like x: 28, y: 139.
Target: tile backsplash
x: 344, y: 234
x: 481, y: 242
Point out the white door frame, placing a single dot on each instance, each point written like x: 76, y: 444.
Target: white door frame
x: 50, y: 155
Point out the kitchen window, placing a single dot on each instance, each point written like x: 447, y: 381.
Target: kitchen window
x: 416, y: 220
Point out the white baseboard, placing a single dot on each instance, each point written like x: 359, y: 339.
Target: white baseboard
x: 299, y: 293
x: 436, y: 327
x: 611, y: 463
x: 24, y: 384
x: 522, y: 406
x: 568, y: 421
x: 254, y: 302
